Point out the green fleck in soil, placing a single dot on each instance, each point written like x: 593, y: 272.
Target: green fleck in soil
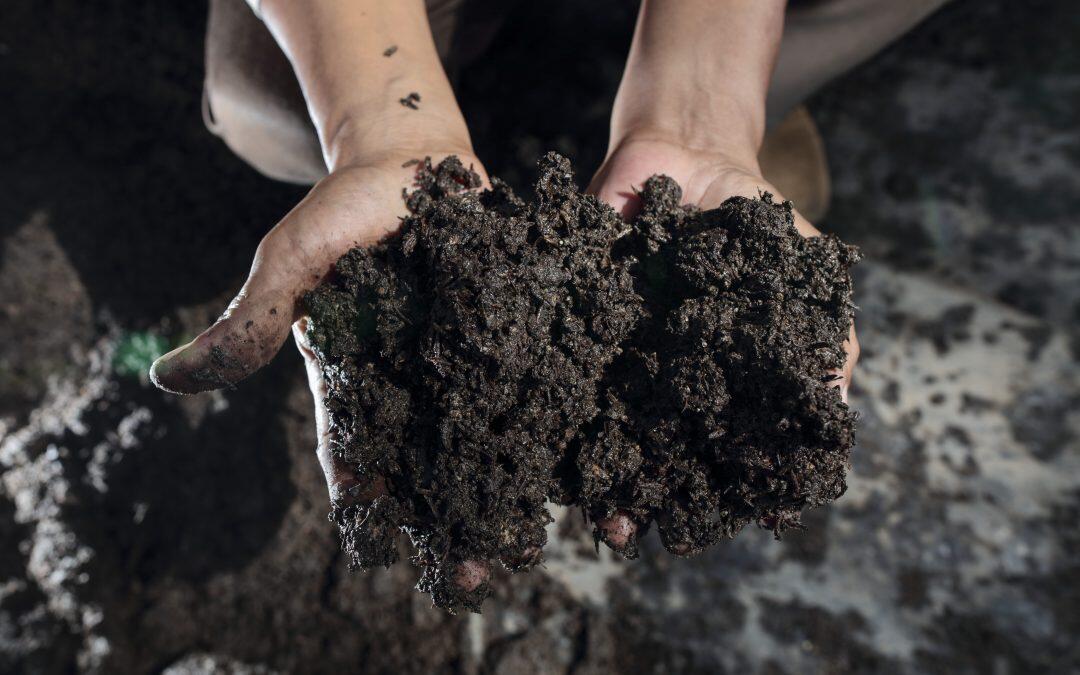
x: 135, y: 352
x: 499, y: 353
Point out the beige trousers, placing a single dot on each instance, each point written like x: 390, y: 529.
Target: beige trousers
x: 253, y: 101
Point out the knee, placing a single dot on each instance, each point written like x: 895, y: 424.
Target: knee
x: 251, y: 98
x: 278, y: 143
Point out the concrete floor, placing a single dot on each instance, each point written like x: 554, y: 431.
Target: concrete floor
x: 140, y: 532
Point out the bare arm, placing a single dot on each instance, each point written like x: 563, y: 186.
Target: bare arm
x: 691, y: 105
x: 692, y: 101
x: 353, y: 91
x: 698, y: 73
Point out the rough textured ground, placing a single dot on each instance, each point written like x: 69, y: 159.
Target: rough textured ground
x: 498, y: 354
x: 955, y: 550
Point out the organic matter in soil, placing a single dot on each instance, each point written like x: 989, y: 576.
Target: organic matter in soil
x: 499, y: 353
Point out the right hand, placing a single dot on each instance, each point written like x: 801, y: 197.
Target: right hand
x: 707, y: 180
x: 356, y: 205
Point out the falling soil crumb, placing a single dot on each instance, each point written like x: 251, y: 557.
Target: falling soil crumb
x: 390, y: 51
x: 499, y: 353
x: 410, y: 101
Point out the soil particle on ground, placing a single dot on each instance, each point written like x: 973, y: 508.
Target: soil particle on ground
x: 411, y: 100
x: 498, y: 353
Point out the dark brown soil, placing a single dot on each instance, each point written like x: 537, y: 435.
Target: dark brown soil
x: 498, y: 354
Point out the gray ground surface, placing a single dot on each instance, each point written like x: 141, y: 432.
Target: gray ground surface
x: 143, y: 533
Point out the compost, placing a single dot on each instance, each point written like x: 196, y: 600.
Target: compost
x: 499, y: 353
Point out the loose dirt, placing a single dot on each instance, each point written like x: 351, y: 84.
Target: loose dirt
x: 498, y: 353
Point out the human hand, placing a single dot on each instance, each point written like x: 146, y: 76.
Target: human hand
x: 708, y: 178
x: 356, y: 205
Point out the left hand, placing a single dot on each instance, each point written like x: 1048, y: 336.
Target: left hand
x: 707, y: 178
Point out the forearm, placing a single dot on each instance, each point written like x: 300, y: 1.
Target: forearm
x: 353, y: 91
x: 698, y: 74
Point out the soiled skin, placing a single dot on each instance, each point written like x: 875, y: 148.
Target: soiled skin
x: 498, y: 354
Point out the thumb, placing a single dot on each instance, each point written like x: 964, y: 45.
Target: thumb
x: 348, y: 208
x: 342, y: 211
x: 250, y: 331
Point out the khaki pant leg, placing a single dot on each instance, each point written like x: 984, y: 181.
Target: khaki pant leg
x: 826, y: 38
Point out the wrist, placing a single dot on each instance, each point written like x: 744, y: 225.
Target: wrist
x: 719, y: 113
x: 365, y: 137
x: 697, y: 75
x: 355, y: 85
x: 720, y: 128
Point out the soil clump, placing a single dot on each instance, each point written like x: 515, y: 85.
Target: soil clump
x: 497, y: 354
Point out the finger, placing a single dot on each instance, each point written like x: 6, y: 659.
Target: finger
x: 851, y: 347
x: 619, y: 532
x: 366, y: 516
x: 626, y: 201
x: 842, y: 376
x: 291, y: 260
x: 349, y: 208
x: 804, y: 226
x: 251, y: 330
x: 471, y: 575
x: 345, y: 488
x: 341, y: 481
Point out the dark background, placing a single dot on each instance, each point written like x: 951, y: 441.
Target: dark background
x: 140, y: 532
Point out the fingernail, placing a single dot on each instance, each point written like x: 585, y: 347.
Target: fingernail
x: 163, y: 370
x: 198, y: 366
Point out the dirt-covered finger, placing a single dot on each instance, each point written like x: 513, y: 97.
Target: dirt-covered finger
x: 366, y: 517
x: 851, y: 346
x: 623, y: 197
x: 619, y: 532
x: 456, y: 584
x: 244, y: 339
x: 291, y: 259
x: 341, y: 481
x: 250, y: 331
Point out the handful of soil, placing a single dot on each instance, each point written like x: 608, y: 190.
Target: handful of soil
x: 497, y: 354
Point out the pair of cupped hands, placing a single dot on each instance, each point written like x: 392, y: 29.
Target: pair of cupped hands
x: 359, y: 203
